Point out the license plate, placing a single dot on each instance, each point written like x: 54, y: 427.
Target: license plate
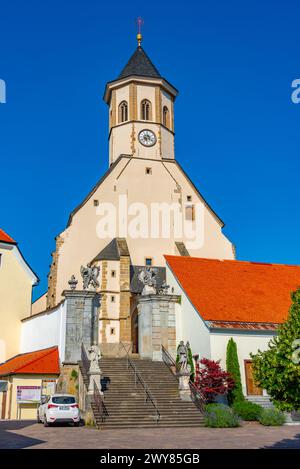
x: 64, y: 408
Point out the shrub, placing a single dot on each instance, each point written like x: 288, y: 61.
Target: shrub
x: 247, y: 410
x: 212, y: 381
x: 220, y: 416
x: 272, y: 417
x: 232, y: 365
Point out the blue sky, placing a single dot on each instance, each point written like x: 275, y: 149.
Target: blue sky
x: 237, y: 130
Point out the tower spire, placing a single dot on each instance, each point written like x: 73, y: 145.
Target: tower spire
x: 139, y: 36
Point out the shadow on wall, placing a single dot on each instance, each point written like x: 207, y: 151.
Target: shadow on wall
x: 10, y: 440
x: 286, y: 443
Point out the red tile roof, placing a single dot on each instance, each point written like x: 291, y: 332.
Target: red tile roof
x: 237, y: 291
x: 5, y: 238
x: 44, y: 361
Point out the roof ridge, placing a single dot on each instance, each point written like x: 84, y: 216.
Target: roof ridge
x: 47, y: 352
x: 140, y: 64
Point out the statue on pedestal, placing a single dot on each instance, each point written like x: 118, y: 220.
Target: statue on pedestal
x: 89, y: 276
x: 94, y: 372
x: 147, y: 277
x: 94, y: 356
x: 184, y: 372
x: 183, y: 356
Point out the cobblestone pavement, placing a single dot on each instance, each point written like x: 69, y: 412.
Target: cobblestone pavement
x: 28, y: 434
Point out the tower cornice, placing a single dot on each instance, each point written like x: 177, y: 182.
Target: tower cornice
x: 119, y: 83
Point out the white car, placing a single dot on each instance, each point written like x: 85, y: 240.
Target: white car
x: 58, y: 408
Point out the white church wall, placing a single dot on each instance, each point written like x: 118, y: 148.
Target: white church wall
x: 247, y: 342
x: 189, y: 325
x: 45, y: 330
x: 167, y: 144
x: 81, y: 243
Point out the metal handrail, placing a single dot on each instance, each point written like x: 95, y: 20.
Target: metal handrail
x: 139, y: 379
x: 169, y: 360
x: 197, y: 396
x: 85, y: 359
x: 98, y: 399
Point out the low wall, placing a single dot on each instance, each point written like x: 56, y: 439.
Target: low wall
x: 44, y: 330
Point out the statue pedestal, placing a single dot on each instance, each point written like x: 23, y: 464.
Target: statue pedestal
x: 184, y: 387
x: 95, y: 377
x: 81, y: 322
x: 157, y: 325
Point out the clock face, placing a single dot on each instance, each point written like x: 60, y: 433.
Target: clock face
x: 147, y: 138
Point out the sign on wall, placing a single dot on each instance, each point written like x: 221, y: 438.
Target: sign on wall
x: 48, y: 387
x: 28, y: 393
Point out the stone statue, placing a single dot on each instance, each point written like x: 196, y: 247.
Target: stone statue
x: 89, y: 276
x: 183, y: 357
x: 184, y: 372
x: 147, y: 277
x: 164, y: 288
x: 94, y: 356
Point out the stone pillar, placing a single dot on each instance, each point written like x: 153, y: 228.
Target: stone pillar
x: 184, y: 387
x: 157, y: 325
x: 81, y: 322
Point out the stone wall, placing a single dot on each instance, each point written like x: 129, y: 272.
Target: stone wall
x: 52, y: 277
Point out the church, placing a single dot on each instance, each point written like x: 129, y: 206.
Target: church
x: 161, y: 267
x: 144, y: 175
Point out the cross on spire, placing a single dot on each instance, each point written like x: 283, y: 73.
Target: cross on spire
x: 139, y: 36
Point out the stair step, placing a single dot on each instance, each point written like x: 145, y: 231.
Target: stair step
x: 125, y: 401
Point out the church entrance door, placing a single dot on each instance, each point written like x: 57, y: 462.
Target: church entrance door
x: 252, y: 388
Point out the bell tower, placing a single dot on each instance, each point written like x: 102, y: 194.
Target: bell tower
x: 141, y: 110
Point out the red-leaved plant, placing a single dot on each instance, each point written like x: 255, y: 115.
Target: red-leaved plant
x: 211, y: 380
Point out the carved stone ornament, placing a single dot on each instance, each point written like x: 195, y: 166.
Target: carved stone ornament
x: 89, y: 276
x: 73, y: 282
x: 147, y: 277
x: 164, y: 289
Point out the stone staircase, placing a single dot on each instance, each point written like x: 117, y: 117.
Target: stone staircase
x: 125, y: 402
x: 264, y: 401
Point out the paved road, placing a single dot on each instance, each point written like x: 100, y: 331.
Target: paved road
x: 28, y: 434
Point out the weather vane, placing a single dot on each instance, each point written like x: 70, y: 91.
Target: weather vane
x: 139, y: 22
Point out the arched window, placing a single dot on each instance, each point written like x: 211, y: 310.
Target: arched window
x: 166, y: 117
x: 146, y: 110
x: 123, y: 111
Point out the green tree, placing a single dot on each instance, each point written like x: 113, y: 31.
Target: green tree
x: 233, y: 367
x: 277, y: 369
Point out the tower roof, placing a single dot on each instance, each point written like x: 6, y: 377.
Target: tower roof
x: 139, y: 64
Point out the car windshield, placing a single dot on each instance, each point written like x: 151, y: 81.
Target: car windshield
x: 63, y: 400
